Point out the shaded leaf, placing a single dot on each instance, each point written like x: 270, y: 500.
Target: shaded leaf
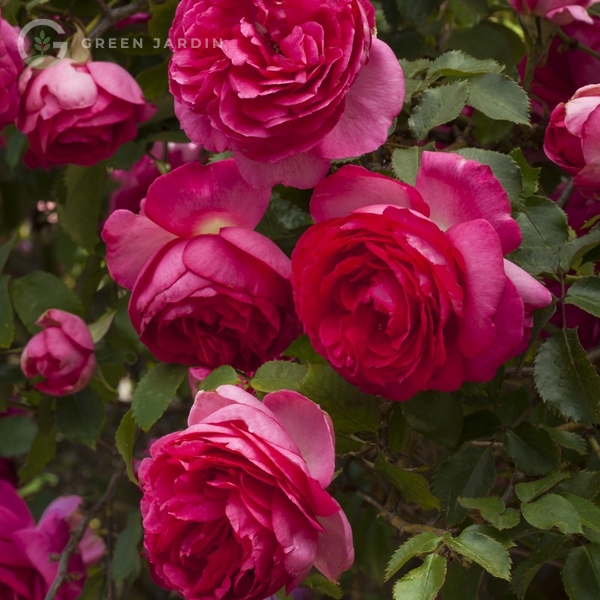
x: 581, y: 573
x: 529, y: 491
x: 492, y: 509
x: 550, y: 511
x: 423, y: 543
x: 532, y: 449
x: 80, y: 417
x: 125, y: 439
x: 424, y: 582
x: 17, y: 433
x: 127, y: 562
x: 585, y: 293
x: 7, y: 322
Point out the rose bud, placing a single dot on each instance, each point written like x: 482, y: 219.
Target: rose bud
x: 572, y: 139
x: 286, y: 86
x: 235, y: 505
x: 62, y: 354
x: 405, y: 289
x: 78, y: 113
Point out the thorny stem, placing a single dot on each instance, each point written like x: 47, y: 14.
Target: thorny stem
x: 78, y: 533
x: 566, y: 194
x: 576, y: 45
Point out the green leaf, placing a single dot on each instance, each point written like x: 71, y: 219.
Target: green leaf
x: 80, y: 417
x: 585, y: 293
x: 7, y: 322
x: 80, y: 214
x: 224, y: 375
x: 162, y: 19
x: 529, y: 491
x: 582, y: 483
x: 482, y: 550
x: 423, y: 543
x: 5, y: 250
x: 154, y: 393
x: 567, y: 439
x: 398, y: 432
x: 43, y: 450
x: 456, y: 63
x: 504, y: 168
x: 488, y: 131
x: 302, y: 349
x: 532, y: 449
x: 566, y: 380
x: 438, y: 106
x: 17, y: 433
x: 544, y: 227
x: 529, y: 174
x: 492, y: 509
x: 127, y: 155
x: 424, y: 582
x: 436, y: 415
x: 462, y: 584
x: 413, y: 486
x: 279, y: 375
x: 350, y: 409
x: 324, y: 586
x: 100, y: 328
x: 499, y: 97
x: 577, y: 249
x: 125, y: 440
x: 581, y: 573
x: 405, y: 163
x: 483, y: 424
x: 524, y: 573
x: 127, y: 563
x: 470, y: 473
x: 36, y: 293
x: 154, y: 81
x: 550, y: 511
x: 589, y: 513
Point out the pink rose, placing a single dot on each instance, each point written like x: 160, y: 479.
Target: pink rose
x: 11, y: 64
x: 287, y: 86
x: 235, y: 505
x: 559, y: 11
x: 28, y: 564
x: 572, y: 139
x: 134, y: 182
x: 404, y: 288
x: 62, y: 354
x: 78, y: 113
x: 206, y: 289
x: 565, y: 69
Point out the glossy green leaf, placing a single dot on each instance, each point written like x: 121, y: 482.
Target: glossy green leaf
x: 499, y: 97
x: 154, y: 393
x: 484, y: 551
x: 423, y: 543
x: 457, y: 63
x: 279, y: 375
x: 566, y: 380
x: 550, y: 511
x: 224, y: 375
x: 492, y: 509
x: 424, y: 582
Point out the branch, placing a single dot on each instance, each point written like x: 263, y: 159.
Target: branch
x: 576, y: 45
x: 78, y: 533
x: 116, y: 14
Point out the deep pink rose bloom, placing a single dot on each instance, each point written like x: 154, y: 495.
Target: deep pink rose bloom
x: 235, y: 506
x: 134, y: 182
x: 565, y: 69
x: 206, y: 289
x: 11, y: 65
x: 572, y: 139
x: 559, y: 11
x: 404, y: 288
x: 78, y: 113
x: 62, y: 354
x: 287, y: 86
x: 28, y: 563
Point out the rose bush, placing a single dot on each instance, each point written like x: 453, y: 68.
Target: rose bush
x: 206, y: 289
x: 62, y: 354
x: 28, y: 552
x: 287, y: 88
x: 571, y: 139
x: 78, y: 113
x: 559, y: 11
x: 11, y: 65
x: 235, y: 505
x: 405, y: 288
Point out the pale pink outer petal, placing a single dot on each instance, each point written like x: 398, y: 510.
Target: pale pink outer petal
x: 568, y: 14
x: 303, y: 170
x: 353, y: 187
x: 194, y: 199
x: 577, y: 111
x: 335, y: 550
x: 532, y: 292
x: 130, y: 241
x: 72, y: 87
x: 373, y: 101
x: 311, y: 429
x: 484, y: 283
x: 459, y: 190
x: 590, y: 137
x: 114, y: 79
